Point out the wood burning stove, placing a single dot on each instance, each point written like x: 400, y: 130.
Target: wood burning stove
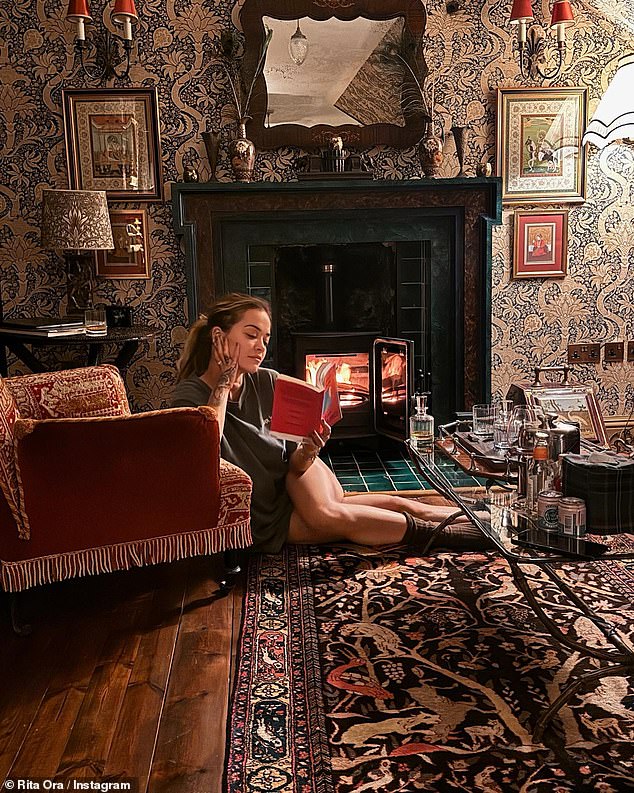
x: 374, y: 376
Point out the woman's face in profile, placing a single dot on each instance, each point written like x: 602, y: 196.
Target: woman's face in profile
x: 252, y: 333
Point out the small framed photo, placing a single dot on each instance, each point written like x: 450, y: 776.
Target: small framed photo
x: 541, y: 243
x: 539, y: 151
x: 113, y: 143
x: 131, y: 255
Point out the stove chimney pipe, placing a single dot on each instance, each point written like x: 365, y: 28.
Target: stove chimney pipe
x: 328, y: 271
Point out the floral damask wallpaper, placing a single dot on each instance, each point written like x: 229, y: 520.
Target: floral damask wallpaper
x: 470, y: 54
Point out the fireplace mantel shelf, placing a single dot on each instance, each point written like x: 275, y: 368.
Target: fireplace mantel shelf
x: 314, y: 185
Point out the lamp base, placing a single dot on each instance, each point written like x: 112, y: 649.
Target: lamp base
x: 79, y: 281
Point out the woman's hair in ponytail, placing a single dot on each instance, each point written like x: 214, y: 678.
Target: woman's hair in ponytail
x: 224, y: 313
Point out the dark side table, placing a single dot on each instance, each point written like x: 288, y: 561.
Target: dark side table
x: 127, y: 339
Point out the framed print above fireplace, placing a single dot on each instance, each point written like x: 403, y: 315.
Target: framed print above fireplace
x: 541, y: 240
x: 113, y: 143
x: 539, y: 151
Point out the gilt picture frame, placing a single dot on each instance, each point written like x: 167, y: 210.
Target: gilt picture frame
x: 131, y: 255
x: 540, y: 247
x: 113, y: 142
x: 539, y: 153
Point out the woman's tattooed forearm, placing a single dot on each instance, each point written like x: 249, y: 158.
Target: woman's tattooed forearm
x: 223, y: 385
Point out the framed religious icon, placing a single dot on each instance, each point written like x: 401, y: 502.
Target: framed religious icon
x: 539, y: 151
x: 540, y: 243
x: 113, y: 142
x: 131, y: 255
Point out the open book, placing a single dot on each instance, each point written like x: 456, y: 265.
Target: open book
x: 300, y: 407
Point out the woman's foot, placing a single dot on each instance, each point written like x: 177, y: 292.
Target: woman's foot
x: 424, y: 535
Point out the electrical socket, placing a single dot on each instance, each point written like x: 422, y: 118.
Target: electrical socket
x: 630, y: 351
x: 584, y: 353
x: 613, y: 352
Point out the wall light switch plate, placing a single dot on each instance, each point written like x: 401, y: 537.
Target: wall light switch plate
x: 584, y: 353
x: 613, y: 352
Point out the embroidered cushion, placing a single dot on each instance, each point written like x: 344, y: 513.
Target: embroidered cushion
x: 93, y: 391
x: 10, y: 483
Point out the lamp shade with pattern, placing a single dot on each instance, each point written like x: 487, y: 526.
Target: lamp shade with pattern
x: 77, y: 222
x: 614, y: 117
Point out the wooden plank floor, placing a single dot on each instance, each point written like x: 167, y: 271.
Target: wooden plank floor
x: 125, y: 675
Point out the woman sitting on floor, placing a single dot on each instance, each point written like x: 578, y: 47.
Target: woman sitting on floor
x: 296, y: 497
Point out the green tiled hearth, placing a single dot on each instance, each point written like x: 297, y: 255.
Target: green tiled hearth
x: 361, y: 470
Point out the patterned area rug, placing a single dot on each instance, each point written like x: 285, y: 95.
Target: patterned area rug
x: 372, y: 670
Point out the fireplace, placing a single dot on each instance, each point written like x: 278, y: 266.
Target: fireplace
x: 344, y: 262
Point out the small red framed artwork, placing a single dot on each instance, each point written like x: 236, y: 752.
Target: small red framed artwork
x: 541, y: 244
x: 131, y: 255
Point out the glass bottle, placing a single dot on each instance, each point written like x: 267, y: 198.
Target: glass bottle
x: 537, y: 471
x: 421, y: 426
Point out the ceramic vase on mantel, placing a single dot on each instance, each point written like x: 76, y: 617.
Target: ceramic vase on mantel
x: 242, y: 154
x: 430, y: 154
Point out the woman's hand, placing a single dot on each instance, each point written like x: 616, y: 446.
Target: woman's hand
x: 225, y: 359
x: 308, y: 450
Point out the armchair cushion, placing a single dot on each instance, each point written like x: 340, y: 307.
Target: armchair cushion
x: 73, y: 393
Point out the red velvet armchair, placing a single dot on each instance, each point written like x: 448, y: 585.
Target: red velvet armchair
x: 87, y: 488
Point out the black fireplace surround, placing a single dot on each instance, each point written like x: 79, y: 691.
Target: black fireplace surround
x: 354, y: 258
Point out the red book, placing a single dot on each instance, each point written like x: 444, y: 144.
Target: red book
x: 300, y: 407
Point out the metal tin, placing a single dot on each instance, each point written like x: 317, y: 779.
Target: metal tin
x: 572, y: 516
x: 548, y: 509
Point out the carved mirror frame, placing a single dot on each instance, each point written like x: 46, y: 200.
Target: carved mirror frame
x: 251, y: 16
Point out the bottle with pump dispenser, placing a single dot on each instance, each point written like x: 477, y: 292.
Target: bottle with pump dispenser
x: 421, y: 425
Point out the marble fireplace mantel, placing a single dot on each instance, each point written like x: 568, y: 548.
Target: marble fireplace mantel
x: 205, y: 213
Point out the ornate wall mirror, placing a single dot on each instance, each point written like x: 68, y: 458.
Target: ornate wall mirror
x: 323, y: 75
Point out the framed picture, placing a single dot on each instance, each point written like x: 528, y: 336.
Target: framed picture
x: 572, y: 403
x: 541, y: 243
x: 112, y: 141
x: 131, y: 255
x: 539, y: 152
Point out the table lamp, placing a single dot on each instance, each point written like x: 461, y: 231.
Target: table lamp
x: 77, y: 222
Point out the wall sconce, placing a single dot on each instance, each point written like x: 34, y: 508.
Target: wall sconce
x: 109, y: 51
x: 532, y: 43
x: 614, y: 117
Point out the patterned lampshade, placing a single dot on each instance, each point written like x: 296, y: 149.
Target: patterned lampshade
x: 76, y: 220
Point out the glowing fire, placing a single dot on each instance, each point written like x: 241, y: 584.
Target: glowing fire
x: 352, y: 379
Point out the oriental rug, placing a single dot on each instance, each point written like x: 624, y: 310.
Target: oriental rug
x: 373, y: 670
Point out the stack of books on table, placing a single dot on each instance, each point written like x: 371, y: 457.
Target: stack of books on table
x: 44, y: 327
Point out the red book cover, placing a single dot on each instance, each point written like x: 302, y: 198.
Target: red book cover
x: 299, y: 407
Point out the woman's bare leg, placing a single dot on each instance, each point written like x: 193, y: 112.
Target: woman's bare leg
x: 434, y: 512
x: 322, y: 515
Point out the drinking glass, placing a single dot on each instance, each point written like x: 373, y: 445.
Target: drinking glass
x: 95, y: 322
x: 483, y: 416
x: 522, y: 419
x: 501, y: 425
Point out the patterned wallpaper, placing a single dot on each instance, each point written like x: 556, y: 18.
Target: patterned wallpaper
x: 469, y: 52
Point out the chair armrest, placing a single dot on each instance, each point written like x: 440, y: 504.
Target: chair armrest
x: 72, y: 393
x: 91, y: 482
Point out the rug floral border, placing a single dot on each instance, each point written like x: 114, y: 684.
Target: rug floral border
x: 278, y: 684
